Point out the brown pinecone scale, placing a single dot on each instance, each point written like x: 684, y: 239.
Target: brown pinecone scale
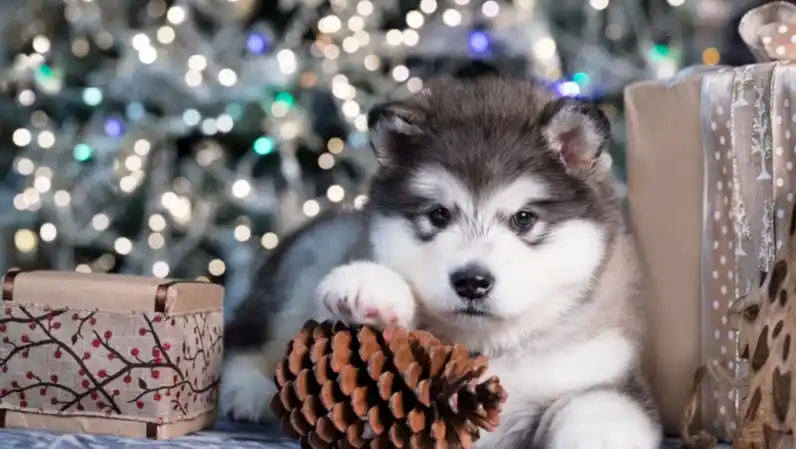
x: 342, y: 386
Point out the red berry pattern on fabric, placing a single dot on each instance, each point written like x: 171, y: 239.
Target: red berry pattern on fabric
x: 150, y: 366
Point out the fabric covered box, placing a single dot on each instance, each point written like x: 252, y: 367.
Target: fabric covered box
x: 109, y: 354
x: 711, y: 187
x: 766, y: 327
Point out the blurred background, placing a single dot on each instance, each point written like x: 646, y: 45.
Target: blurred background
x: 184, y: 138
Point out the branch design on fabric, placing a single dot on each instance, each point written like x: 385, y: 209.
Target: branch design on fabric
x: 761, y: 139
x: 767, y: 249
x: 104, y: 373
x: 744, y: 76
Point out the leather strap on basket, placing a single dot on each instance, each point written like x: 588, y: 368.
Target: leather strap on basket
x: 162, y: 293
x: 151, y: 431
x: 8, y: 283
x: 161, y: 296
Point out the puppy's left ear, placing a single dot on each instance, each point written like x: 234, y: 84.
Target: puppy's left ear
x: 392, y: 125
x: 576, y: 130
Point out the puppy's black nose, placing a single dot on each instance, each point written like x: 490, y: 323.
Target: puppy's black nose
x: 472, y: 282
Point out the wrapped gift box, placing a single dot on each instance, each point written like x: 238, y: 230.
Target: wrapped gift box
x: 112, y: 354
x: 711, y: 186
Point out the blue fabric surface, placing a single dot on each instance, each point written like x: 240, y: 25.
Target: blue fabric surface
x: 225, y: 435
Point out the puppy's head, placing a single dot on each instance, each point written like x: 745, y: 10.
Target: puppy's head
x: 491, y: 199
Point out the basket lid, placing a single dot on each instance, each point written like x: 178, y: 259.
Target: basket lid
x: 113, y: 292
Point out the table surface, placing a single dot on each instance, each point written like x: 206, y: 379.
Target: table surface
x: 225, y: 435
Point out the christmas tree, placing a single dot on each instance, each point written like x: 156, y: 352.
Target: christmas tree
x: 185, y: 138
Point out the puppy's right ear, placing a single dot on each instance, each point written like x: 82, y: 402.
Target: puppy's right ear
x: 392, y: 126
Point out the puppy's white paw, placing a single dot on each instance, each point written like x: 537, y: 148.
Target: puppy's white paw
x: 245, y: 391
x: 603, y: 420
x: 367, y: 293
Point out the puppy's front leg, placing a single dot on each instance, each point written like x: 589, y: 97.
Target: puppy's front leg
x: 367, y: 293
x: 603, y: 419
x: 359, y: 292
x: 247, y: 388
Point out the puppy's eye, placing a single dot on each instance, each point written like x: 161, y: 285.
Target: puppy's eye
x: 523, y: 221
x: 439, y: 217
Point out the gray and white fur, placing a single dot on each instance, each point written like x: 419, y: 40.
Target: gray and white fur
x: 492, y: 222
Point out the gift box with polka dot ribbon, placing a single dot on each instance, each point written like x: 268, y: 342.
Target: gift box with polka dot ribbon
x: 712, y: 184
x: 111, y: 354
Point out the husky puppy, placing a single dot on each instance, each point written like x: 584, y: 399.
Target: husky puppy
x: 492, y: 222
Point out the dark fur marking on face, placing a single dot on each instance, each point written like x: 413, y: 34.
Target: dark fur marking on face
x: 555, y: 213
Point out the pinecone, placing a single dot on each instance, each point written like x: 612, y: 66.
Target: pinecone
x: 343, y: 386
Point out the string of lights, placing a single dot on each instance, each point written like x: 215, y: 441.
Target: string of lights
x: 113, y: 188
